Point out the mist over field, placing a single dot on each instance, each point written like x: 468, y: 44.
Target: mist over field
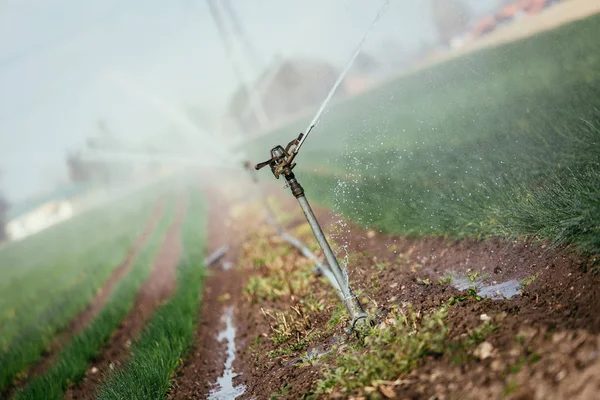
x: 433, y: 231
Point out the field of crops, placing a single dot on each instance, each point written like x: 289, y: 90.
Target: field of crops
x: 502, y: 142
x: 456, y: 197
x: 54, y: 323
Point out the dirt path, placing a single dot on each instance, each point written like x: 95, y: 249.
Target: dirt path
x: 222, y: 288
x: 78, y: 324
x: 156, y: 290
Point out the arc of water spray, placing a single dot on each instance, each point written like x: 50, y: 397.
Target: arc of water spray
x: 340, y: 78
x: 282, y: 163
x: 128, y: 156
x: 172, y: 112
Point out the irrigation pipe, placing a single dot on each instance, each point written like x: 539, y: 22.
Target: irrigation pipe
x: 216, y: 255
x: 321, y: 268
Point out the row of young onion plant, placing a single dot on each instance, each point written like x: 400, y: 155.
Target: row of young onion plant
x: 70, y: 265
x: 169, y: 334
x: 72, y: 362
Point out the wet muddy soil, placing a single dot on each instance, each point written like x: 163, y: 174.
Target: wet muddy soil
x: 545, y: 301
x: 207, y: 359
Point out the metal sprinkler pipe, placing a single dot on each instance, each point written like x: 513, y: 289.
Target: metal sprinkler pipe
x: 357, y: 313
x: 321, y: 268
x: 282, y: 163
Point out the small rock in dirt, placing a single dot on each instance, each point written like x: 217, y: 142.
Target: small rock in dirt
x: 527, y: 332
x: 371, y: 234
x: 369, y: 389
x: 93, y: 370
x: 560, y: 376
x: 387, y: 391
x: 394, y: 285
x: 484, y: 350
x: 559, y: 337
x: 496, y: 366
x: 485, y: 317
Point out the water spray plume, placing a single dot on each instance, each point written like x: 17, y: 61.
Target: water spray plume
x: 282, y: 163
x: 171, y: 111
x: 340, y: 78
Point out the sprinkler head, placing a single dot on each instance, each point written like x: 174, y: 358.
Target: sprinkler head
x: 282, y: 160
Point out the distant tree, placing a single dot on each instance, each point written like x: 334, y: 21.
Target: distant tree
x: 451, y: 18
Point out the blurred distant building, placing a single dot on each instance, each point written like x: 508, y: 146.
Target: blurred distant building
x: 286, y: 88
x: 363, y: 74
x: 452, y: 18
x: 30, y: 217
x: 509, y: 11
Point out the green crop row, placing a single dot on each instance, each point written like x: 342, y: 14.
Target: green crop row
x: 501, y: 142
x: 42, y: 304
x: 169, y: 334
x: 67, y: 259
x: 72, y: 362
x: 31, y: 342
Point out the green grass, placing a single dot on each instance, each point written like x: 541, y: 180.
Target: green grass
x: 502, y: 142
x: 169, y: 334
x: 54, y: 275
x: 72, y: 362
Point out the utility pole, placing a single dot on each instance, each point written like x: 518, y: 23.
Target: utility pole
x: 232, y: 41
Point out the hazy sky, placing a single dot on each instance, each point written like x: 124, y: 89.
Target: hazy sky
x: 58, y: 60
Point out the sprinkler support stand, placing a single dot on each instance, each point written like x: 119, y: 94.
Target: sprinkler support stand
x: 320, y: 267
x: 357, y: 313
x: 282, y: 163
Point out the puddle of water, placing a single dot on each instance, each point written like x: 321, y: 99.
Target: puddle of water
x: 227, y: 265
x: 496, y: 291
x: 314, y: 353
x: 225, y: 389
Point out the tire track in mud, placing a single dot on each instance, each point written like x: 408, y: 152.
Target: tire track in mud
x: 222, y: 289
x: 83, y: 319
x: 155, y: 291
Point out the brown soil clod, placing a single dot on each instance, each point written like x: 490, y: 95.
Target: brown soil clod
x: 157, y: 289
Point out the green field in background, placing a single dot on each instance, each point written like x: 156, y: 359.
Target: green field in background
x: 501, y: 142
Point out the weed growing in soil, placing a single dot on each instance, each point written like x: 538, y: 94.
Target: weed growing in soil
x: 393, y: 348
x: 282, y: 273
x: 279, y: 272
x: 528, y: 281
